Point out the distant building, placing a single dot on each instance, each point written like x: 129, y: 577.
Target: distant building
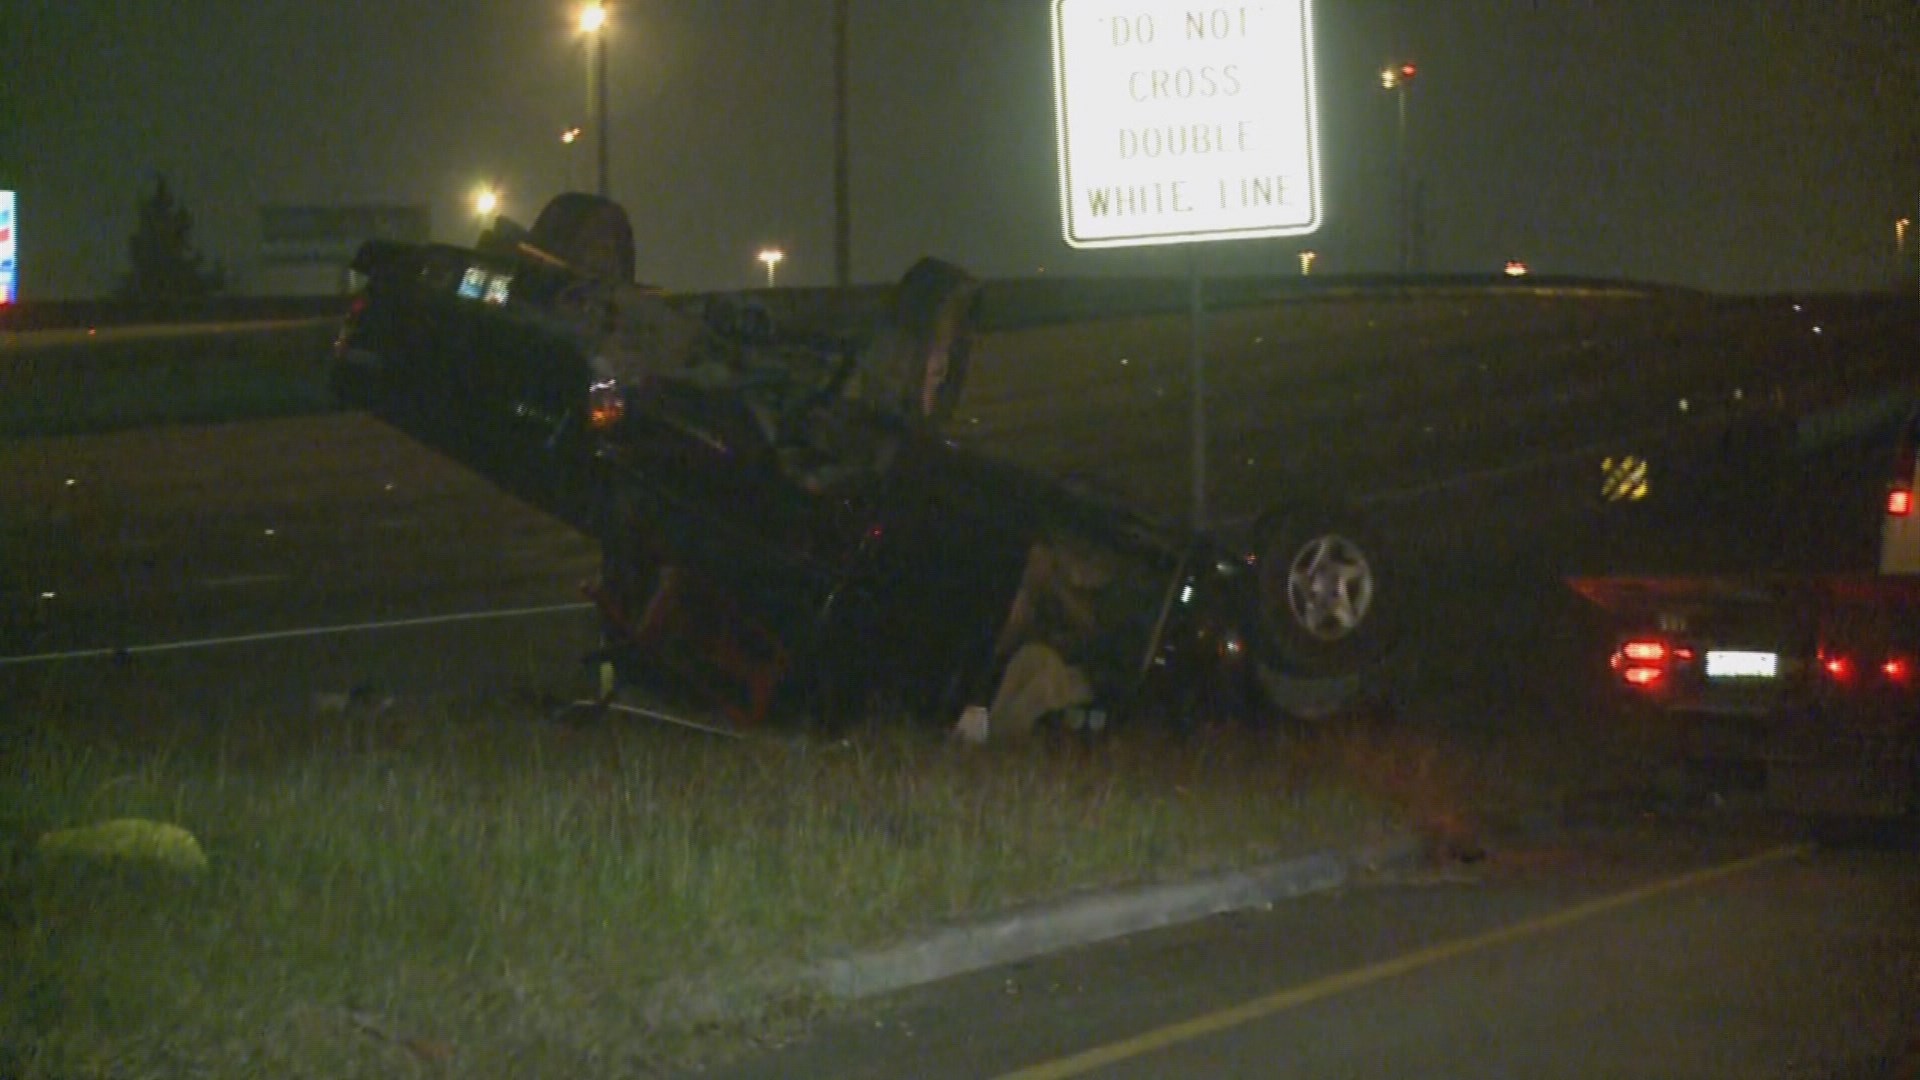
x: 304, y: 250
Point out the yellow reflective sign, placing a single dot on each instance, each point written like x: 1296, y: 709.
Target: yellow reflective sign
x: 1624, y: 479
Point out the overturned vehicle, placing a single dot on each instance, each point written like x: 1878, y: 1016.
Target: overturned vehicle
x: 785, y: 525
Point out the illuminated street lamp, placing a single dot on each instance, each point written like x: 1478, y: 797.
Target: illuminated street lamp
x: 1396, y: 79
x: 485, y: 201
x: 772, y: 257
x: 593, y: 23
x: 1306, y: 262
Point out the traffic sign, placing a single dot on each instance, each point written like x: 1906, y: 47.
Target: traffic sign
x: 1184, y: 121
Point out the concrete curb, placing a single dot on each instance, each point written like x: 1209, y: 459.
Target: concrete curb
x: 1096, y: 917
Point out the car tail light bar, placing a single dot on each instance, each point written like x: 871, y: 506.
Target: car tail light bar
x: 1645, y: 662
x: 1900, y: 500
x: 1642, y: 676
x: 1653, y: 652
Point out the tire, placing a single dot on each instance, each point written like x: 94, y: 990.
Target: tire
x: 588, y: 232
x: 1324, y: 600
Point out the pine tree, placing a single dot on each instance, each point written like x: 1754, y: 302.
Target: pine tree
x: 165, y: 266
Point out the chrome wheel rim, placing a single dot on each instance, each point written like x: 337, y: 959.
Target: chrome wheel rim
x: 1330, y: 587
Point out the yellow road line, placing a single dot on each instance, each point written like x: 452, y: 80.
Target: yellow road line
x: 1246, y: 1012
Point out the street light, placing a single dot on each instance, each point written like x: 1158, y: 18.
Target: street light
x: 593, y: 23
x: 772, y: 257
x: 1397, y: 78
x: 1306, y: 262
x: 485, y: 201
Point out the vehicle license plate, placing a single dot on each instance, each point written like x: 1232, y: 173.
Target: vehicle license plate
x: 1738, y: 664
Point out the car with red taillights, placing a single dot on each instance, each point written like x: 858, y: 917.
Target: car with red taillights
x: 1806, y: 684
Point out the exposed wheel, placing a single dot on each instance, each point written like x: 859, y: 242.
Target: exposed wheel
x: 1323, y: 603
x: 589, y: 232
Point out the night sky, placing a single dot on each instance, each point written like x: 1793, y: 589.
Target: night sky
x: 1742, y: 145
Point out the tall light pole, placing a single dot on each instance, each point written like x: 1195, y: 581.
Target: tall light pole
x: 593, y: 23
x: 1397, y: 78
x: 842, y: 211
x: 772, y: 257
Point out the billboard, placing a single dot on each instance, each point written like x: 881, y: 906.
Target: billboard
x: 9, y: 249
x: 330, y: 234
x: 1183, y: 121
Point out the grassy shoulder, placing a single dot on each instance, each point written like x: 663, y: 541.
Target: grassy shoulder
x: 475, y: 889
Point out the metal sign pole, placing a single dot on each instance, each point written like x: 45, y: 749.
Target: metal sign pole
x: 1197, y: 376
x: 1240, y: 165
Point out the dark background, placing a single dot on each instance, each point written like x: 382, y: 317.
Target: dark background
x: 1735, y: 144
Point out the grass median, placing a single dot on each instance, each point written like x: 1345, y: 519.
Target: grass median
x: 166, y: 376
x: 479, y: 889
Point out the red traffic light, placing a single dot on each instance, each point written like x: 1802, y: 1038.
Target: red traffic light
x: 1408, y: 71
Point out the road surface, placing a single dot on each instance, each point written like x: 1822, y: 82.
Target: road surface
x: 1698, y: 949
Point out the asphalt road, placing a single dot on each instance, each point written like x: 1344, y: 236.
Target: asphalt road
x: 281, y: 561
x: 1471, y: 428
x: 1729, y: 949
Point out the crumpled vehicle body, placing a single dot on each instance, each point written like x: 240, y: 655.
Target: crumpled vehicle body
x: 780, y: 515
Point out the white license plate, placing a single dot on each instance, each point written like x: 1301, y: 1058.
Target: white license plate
x: 1738, y: 664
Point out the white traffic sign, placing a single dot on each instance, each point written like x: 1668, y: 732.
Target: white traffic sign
x: 1185, y: 121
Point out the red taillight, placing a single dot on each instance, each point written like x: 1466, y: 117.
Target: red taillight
x: 1898, y: 670
x: 1838, y: 668
x: 1899, y: 501
x: 1642, y: 662
x: 1652, y: 652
